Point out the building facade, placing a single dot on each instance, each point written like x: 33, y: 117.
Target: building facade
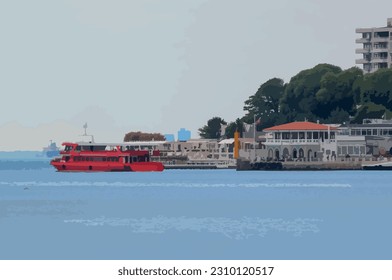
x: 376, y: 50
x: 376, y: 132
x: 305, y: 141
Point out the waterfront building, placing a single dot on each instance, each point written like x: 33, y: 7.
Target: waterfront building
x: 296, y: 141
x: 226, y: 149
x: 376, y: 50
x: 351, y: 148
x: 254, y: 150
x: 198, y: 152
x: 304, y: 141
x: 377, y: 133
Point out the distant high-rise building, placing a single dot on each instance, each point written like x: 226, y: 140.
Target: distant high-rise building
x: 376, y: 48
x: 184, y: 135
x: 169, y: 137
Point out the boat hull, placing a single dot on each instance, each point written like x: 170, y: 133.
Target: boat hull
x: 94, y: 167
x: 377, y: 167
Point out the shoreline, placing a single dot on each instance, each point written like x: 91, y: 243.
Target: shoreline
x: 244, y: 165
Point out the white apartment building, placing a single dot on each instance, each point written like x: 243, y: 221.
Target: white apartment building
x: 376, y: 48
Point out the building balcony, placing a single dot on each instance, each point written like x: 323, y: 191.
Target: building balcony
x: 362, y: 40
x: 362, y: 61
x: 380, y: 39
x: 362, y: 50
x: 380, y: 60
x: 363, y: 30
x: 377, y: 50
x: 296, y: 141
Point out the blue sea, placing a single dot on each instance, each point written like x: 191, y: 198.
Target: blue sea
x: 194, y: 214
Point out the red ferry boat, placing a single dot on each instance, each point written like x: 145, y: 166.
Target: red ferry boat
x: 88, y: 157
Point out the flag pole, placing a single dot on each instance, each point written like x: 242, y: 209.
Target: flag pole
x: 254, y: 137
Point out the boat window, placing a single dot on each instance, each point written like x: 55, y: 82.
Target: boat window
x: 68, y: 148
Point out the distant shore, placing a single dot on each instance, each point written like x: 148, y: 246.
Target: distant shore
x: 22, y: 155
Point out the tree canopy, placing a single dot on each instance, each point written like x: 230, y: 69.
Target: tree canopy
x: 142, y: 136
x: 265, y: 103
x: 232, y: 127
x: 213, y: 128
x: 375, y: 95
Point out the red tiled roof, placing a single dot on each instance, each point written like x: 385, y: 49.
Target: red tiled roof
x: 300, y: 126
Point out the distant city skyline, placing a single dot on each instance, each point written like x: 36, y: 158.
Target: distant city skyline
x: 156, y: 66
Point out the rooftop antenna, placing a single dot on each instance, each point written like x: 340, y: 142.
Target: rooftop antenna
x: 85, y: 133
x: 85, y: 129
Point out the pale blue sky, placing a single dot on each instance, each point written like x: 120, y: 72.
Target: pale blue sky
x: 156, y: 65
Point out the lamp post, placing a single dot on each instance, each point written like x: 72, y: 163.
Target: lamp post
x: 254, y: 135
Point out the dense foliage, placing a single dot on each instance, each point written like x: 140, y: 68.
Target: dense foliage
x: 265, y: 103
x: 213, y: 128
x: 232, y: 127
x: 142, y: 136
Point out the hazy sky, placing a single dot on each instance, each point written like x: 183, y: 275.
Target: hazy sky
x: 157, y: 65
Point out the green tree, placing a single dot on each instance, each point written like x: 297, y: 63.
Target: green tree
x: 375, y: 95
x: 336, y: 98
x: 265, y: 103
x: 299, y: 100
x: 213, y: 128
x: 232, y: 127
x: 143, y: 136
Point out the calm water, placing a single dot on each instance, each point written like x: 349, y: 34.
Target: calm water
x: 198, y: 214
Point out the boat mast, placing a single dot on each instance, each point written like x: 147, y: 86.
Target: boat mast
x: 85, y: 133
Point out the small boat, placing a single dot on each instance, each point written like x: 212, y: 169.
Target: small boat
x: 90, y: 157
x: 378, y: 166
